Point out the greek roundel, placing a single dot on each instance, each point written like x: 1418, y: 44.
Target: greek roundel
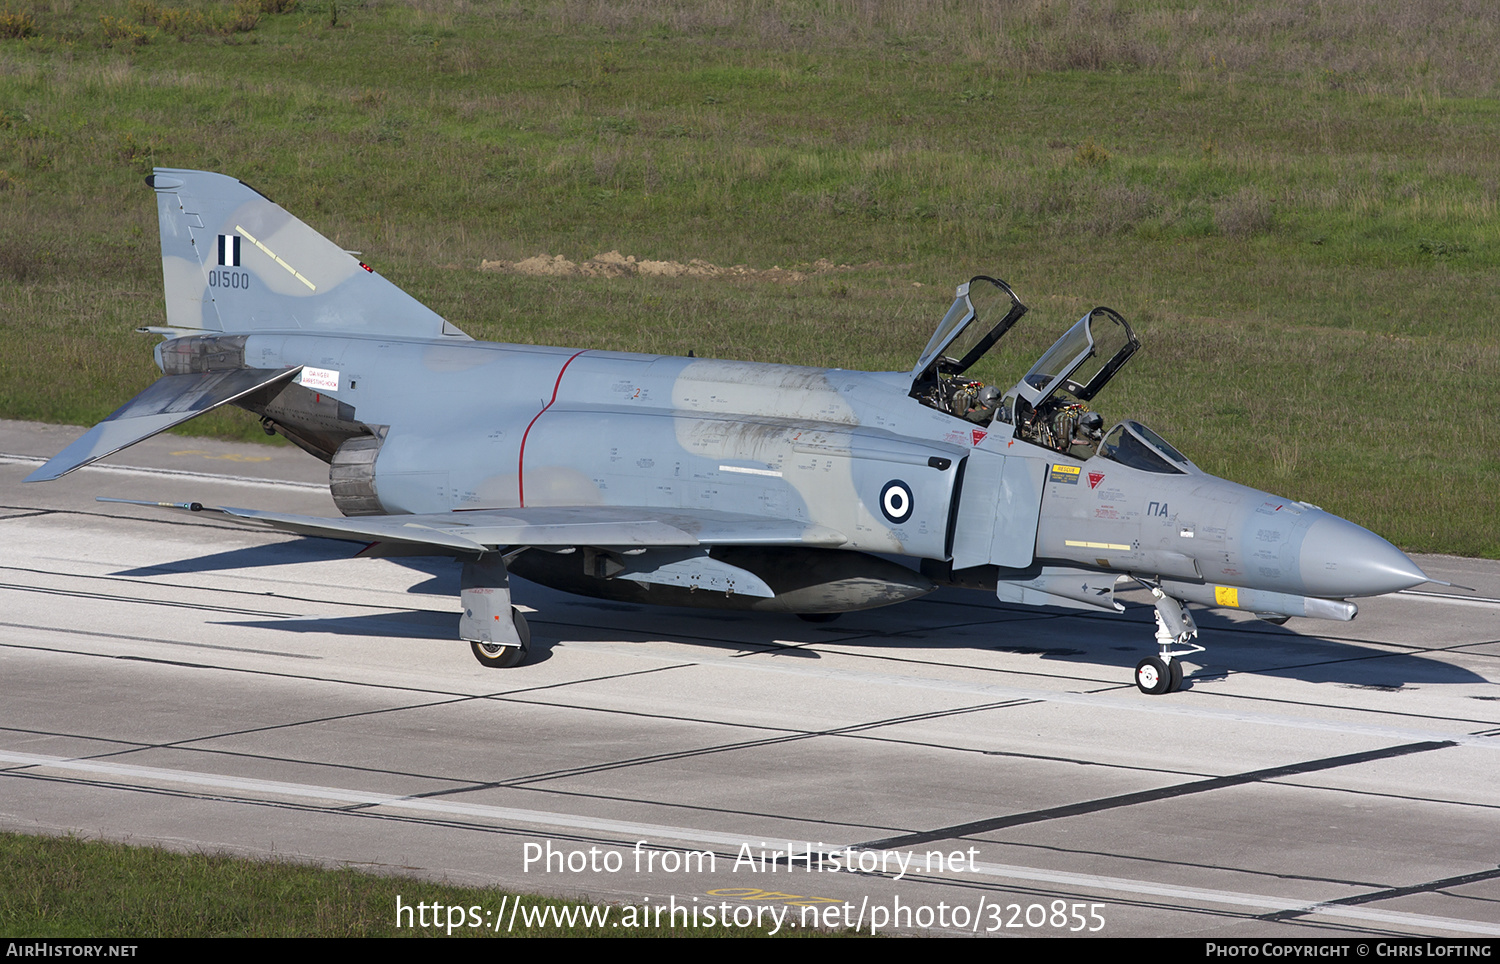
x: 896, y: 501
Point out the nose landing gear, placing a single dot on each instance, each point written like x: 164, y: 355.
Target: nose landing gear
x: 1162, y: 673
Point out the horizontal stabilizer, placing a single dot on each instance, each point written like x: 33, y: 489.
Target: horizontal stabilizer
x: 170, y: 400
x: 588, y: 525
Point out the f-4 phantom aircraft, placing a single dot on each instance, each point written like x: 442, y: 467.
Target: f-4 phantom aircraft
x: 701, y: 482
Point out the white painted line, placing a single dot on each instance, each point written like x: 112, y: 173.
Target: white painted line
x: 139, y: 775
x: 9, y: 459
x: 744, y: 470
x: 1452, y: 598
x: 1188, y: 895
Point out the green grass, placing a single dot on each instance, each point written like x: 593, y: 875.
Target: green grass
x: 62, y: 887
x: 1294, y: 203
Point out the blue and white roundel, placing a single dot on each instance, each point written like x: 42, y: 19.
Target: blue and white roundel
x: 896, y: 501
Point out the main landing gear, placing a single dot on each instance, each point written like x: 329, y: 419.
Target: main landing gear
x: 496, y: 630
x: 500, y: 656
x: 1162, y: 673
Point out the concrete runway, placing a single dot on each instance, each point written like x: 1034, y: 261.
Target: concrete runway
x: 175, y: 679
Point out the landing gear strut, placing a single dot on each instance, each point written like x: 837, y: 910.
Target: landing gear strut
x: 496, y: 630
x: 1162, y: 673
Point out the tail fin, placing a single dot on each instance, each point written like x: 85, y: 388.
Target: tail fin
x: 235, y: 261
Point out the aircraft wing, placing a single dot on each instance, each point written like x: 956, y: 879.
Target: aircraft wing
x: 485, y: 530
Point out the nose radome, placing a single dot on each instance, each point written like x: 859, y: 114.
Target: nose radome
x: 1342, y: 559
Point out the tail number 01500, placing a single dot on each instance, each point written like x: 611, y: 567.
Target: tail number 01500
x: 220, y: 278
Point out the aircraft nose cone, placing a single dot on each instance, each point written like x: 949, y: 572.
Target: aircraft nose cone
x: 1341, y: 559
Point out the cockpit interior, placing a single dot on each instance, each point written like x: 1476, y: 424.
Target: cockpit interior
x: 1050, y: 406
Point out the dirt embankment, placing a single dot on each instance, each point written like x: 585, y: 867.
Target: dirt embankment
x: 612, y: 264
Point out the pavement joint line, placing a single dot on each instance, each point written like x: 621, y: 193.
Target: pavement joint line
x: 1192, y: 787
x: 631, y: 830
x: 1391, y: 893
x: 1131, y: 701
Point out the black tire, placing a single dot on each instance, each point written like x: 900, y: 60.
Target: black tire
x: 1152, y: 676
x: 496, y: 656
x: 1176, y: 667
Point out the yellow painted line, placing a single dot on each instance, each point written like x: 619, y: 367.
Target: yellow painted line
x: 755, y: 893
x: 272, y: 255
x: 1096, y: 545
x: 231, y: 456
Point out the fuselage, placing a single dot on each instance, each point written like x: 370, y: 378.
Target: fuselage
x: 480, y: 425
x: 445, y: 426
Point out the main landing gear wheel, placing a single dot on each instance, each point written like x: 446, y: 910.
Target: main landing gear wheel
x: 1153, y: 676
x: 496, y: 656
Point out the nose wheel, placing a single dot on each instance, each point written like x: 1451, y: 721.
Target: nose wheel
x: 1155, y: 675
x: 1162, y: 673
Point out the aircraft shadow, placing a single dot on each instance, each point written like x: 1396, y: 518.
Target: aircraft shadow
x: 289, y: 553
x: 1048, y: 635
x: 1241, y: 646
x: 425, y: 627
x: 1234, y: 645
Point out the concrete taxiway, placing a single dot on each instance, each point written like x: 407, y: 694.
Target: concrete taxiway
x: 175, y: 679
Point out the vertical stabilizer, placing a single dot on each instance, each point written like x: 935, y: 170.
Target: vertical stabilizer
x: 235, y: 261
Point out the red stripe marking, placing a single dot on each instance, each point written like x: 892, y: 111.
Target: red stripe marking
x: 521, y: 459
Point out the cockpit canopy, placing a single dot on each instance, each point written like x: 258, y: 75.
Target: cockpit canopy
x: 966, y: 331
x: 1048, y: 407
x: 1082, y: 360
x: 1133, y: 444
x: 1079, y: 364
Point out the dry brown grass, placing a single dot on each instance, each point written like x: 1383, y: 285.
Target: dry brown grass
x: 1422, y: 45
x: 15, y: 25
x: 1248, y: 212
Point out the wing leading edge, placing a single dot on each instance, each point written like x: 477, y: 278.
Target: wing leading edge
x: 485, y: 530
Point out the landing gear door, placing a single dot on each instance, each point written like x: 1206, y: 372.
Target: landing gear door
x: 998, y: 511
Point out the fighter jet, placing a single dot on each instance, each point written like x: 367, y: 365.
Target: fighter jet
x: 701, y: 482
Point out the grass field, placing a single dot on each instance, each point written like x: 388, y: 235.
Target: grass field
x: 61, y: 887
x: 1293, y: 202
